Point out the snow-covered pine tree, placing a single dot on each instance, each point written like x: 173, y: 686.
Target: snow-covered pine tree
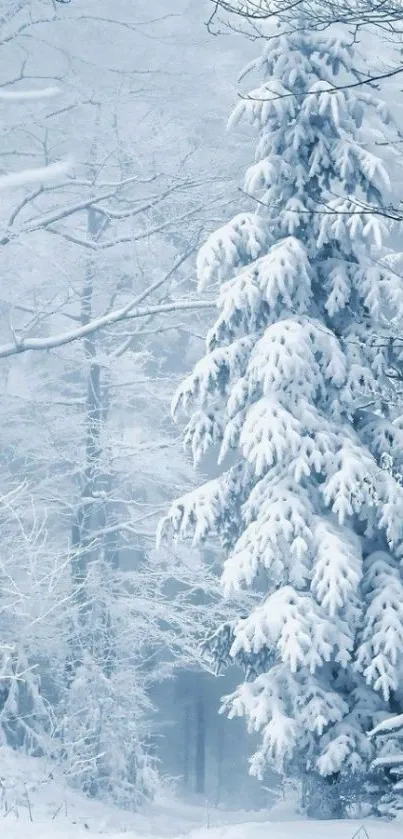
x: 289, y: 394
x: 388, y: 765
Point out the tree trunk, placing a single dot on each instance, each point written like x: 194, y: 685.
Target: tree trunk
x: 200, y: 747
x: 186, y: 747
x: 83, y: 546
x: 220, y: 758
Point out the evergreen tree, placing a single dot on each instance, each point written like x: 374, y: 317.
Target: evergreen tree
x: 291, y: 393
x: 388, y: 766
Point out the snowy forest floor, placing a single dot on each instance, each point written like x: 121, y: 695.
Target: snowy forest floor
x: 34, y: 805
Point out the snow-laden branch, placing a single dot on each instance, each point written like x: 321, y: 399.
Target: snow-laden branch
x: 65, y: 212
x: 42, y: 174
x: 389, y: 760
x: 125, y: 239
x: 28, y: 95
x: 388, y: 725
x: 38, y: 175
x: 130, y: 311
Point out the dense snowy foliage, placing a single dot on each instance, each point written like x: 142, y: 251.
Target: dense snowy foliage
x: 292, y: 394
x: 387, y: 785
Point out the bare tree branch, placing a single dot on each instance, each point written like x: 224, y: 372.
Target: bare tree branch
x: 21, y: 345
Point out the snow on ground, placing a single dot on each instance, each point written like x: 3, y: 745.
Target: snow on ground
x: 36, y: 805
x: 302, y: 830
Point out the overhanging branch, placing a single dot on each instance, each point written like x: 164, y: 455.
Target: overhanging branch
x: 21, y: 345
